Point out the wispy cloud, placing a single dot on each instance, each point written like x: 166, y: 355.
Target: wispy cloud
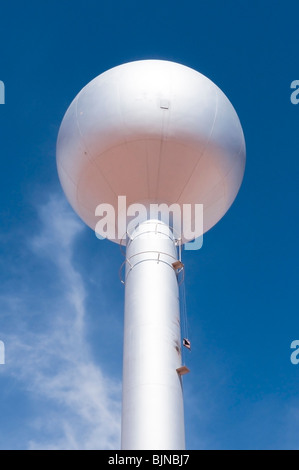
x: 49, y: 353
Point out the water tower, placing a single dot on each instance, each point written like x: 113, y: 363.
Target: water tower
x: 153, y: 132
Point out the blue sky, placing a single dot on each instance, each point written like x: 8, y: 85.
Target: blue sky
x: 61, y: 302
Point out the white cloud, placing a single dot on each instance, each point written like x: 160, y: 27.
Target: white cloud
x: 53, y: 361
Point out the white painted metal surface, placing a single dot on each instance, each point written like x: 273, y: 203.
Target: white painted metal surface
x: 153, y: 131
x: 152, y: 409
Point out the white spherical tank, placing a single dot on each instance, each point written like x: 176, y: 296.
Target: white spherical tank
x: 153, y: 131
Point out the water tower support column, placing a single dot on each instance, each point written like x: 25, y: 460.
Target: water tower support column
x: 152, y: 409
